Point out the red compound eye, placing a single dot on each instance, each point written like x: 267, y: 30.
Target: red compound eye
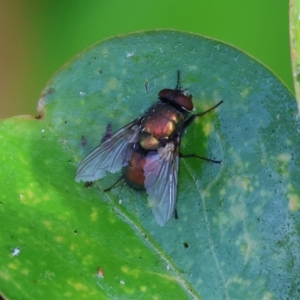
x: 184, y: 101
x: 177, y: 97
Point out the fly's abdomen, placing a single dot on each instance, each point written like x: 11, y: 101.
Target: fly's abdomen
x: 133, y: 173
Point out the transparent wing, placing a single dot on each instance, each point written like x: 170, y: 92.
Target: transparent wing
x: 110, y: 156
x: 161, y: 178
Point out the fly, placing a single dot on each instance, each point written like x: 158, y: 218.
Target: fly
x: 147, y: 151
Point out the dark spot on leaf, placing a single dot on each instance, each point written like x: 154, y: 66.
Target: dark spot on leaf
x: 88, y: 184
x: 147, y: 86
x: 75, y: 231
x: 83, y: 141
x: 39, y: 117
x: 186, y: 245
x: 66, y: 122
x: 100, y: 71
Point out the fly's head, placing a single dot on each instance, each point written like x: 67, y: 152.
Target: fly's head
x: 177, y: 97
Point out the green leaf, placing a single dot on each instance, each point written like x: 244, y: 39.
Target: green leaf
x: 295, y: 45
x: 237, y: 236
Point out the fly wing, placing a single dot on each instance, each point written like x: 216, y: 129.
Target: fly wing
x: 161, y: 178
x: 110, y: 156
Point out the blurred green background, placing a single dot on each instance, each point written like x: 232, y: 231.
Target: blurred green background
x: 37, y: 37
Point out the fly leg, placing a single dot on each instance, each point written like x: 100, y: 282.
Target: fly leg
x: 201, y: 157
x: 108, y: 134
x: 88, y: 184
x: 195, y: 156
x: 108, y: 189
x: 193, y: 117
x: 175, y: 214
x: 203, y: 113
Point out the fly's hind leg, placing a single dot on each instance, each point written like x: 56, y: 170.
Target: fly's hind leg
x: 195, y: 156
x: 108, y: 189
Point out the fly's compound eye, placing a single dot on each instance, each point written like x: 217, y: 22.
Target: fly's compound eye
x: 166, y: 94
x: 177, y: 97
x: 184, y: 101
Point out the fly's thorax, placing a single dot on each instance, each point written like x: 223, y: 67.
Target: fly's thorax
x: 162, y: 120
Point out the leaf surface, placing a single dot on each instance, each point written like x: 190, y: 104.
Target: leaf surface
x: 237, y: 235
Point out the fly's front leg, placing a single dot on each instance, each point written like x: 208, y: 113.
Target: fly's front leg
x: 194, y: 116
